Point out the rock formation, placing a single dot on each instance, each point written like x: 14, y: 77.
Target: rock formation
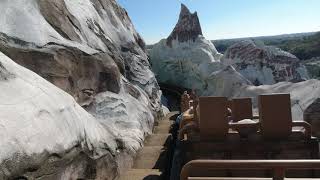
x: 264, y: 64
x: 188, y: 27
x: 90, y: 50
x: 312, y: 116
x: 83, y: 48
x: 303, y: 94
x: 194, y: 63
x: 313, y: 67
x: 42, y: 127
x: 186, y: 58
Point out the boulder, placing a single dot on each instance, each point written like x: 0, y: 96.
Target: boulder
x: 186, y: 59
x: 264, y: 64
x: 44, y: 132
x: 312, y: 115
x: 303, y: 94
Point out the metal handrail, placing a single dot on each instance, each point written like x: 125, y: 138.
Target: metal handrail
x: 305, y: 125
x: 278, y: 166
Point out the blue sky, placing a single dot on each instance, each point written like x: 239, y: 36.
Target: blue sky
x: 222, y: 19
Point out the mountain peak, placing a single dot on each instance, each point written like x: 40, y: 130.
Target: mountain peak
x: 184, y: 10
x: 187, y: 28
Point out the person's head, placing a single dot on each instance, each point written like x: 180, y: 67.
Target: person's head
x: 193, y: 94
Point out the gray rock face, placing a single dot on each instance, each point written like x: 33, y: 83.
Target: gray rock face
x: 4, y: 73
x: 88, y: 54
x: 197, y: 65
x: 313, y: 66
x: 190, y: 61
x: 89, y: 40
x: 80, y: 74
x: 57, y: 15
x: 45, y: 134
x: 264, y: 64
x: 303, y: 94
x: 89, y: 49
x: 187, y: 28
x: 312, y: 116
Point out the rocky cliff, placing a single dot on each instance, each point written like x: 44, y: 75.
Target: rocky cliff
x: 188, y: 60
x: 82, y: 47
x: 90, y: 50
x: 265, y: 64
x: 187, y: 28
x: 303, y: 94
x: 312, y: 116
x: 247, y: 68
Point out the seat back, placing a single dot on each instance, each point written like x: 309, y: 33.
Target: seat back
x: 204, y: 168
x: 275, y: 115
x: 241, y: 109
x: 213, y: 118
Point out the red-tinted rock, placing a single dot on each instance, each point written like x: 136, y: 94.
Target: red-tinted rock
x: 187, y: 28
x: 265, y: 64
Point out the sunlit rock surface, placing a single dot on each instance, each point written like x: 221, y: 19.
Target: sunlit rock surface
x: 302, y: 94
x: 89, y: 49
x: 264, y: 64
x: 186, y: 58
x: 41, y: 124
x: 77, y: 45
x: 43, y: 128
x: 224, y: 82
x: 312, y: 116
x: 187, y: 28
x: 246, y: 69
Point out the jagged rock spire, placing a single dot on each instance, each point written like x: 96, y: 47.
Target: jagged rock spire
x: 184, y: 11
x: 187, y: 28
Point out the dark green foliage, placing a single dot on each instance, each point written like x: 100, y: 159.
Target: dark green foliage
x: 303, y: 45
x: 304, y: 48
